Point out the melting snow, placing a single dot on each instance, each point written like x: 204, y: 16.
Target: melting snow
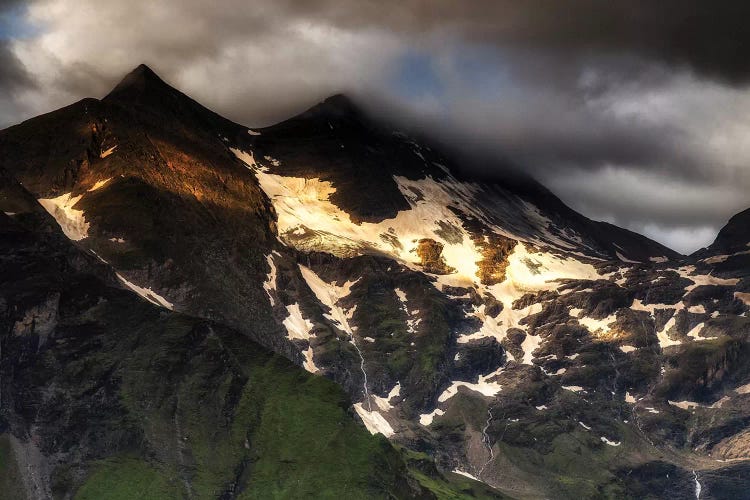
x: 374, y: 421
x: 309, y: 364
x: 574, y: 388
x: 99, y: 184
x: 270, y: 283
x: 482, y: 386
x: 385, y: 403
x: 598, y: 325
x: 252, y: 132
x: 297, y: 326
x: 71, y: 221
x: 304, y: 205
x: 744, y: 297
x: 329, y: 294
x: 466, y: 474
x: 427, y: 418
x: 529, y: 345
x: 411, y: 322
x: 107, y: 152
x: 704, y: 279
x: 611, y: 443
x: 625, y: 259
x: 147, y: 294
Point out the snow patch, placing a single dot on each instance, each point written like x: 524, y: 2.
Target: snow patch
x: 270, y: 283
x: 426, y: 418
x: 374, y: 421
x: 385, y: 403
x: 625, y: 259
x: 744, y: 297
x: 147, y: 294
x: 71, y: 221
x: 574, y: 388
x: 610, y: 443
x: 482, y: 386
x: 598, y: 325
x: 297, y: 326
x: 465, y: 474
x: 99, y: 184
x: 107, y: 152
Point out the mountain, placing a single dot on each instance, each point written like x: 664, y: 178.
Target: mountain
x: 481, y: 325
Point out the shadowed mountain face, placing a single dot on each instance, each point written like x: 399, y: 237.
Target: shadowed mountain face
x: 486, y: 325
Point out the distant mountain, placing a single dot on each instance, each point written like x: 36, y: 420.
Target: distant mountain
x: 485, y: 328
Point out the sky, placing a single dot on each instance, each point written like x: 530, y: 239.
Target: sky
x: 634, y: 112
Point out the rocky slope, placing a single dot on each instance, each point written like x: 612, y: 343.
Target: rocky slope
x: 106, y: 395
x: 486, y: 325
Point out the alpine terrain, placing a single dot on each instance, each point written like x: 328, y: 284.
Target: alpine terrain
x: 330, y: 308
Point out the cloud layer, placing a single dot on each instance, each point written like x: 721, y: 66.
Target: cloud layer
x: 632, y: 111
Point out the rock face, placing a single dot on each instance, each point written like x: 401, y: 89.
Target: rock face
x: 485, y: 325
x: 430, y: 253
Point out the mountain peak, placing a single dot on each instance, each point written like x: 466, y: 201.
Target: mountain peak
x: 140, y: 80
x: 336, y: 106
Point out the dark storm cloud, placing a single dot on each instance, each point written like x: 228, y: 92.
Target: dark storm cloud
x: 13, y: 74
x: 711, y: 37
